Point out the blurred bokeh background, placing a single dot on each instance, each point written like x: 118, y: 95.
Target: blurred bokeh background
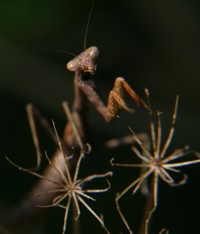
x: 154, y: 44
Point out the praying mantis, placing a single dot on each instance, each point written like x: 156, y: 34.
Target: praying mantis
x: 85, y: 91
x: 84, y: 68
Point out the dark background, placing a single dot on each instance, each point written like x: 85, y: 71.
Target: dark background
x: 152, y: 44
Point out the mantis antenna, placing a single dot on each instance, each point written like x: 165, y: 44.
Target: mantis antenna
x: 88, y: 23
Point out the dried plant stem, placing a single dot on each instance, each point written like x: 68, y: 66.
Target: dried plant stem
x: 157, y: 164
x: 69, y: 187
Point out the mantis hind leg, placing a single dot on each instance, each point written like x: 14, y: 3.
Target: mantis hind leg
x: 32, y: 112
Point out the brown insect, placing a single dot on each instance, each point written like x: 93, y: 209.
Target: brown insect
x: 84, y: 66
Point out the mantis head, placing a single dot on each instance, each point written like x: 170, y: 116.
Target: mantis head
x: 85, y: 61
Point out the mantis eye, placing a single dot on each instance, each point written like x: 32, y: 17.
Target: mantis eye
x: 94, y: 52
x: 73, y: 65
